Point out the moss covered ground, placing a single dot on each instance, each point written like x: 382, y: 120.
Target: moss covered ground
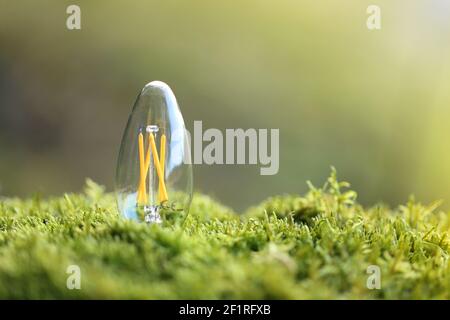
x: 316, y: 246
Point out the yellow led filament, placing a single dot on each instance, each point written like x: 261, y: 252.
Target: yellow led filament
x: 162, y: 196
x: 144, y: 164
x: 142, y: 194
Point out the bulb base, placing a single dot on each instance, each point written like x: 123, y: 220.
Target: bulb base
x: 151, y: 215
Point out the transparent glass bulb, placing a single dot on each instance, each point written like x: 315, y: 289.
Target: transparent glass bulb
x: 154, y: 171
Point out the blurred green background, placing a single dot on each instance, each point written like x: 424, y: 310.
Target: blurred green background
x: 375, y: 104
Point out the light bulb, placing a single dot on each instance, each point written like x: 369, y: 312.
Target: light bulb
x: 154, y: 171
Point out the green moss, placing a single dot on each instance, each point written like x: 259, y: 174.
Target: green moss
x: 288, y: 247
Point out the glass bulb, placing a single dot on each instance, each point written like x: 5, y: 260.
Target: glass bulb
x: 154, y: 171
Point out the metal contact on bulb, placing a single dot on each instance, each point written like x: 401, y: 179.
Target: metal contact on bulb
x: 152, y: 128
